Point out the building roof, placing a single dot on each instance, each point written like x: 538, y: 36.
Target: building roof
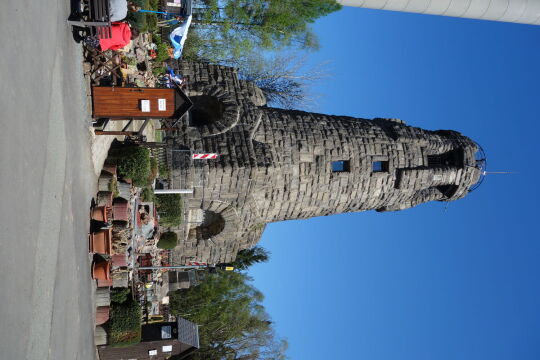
x: 182, y: 102
x: 188, y: 332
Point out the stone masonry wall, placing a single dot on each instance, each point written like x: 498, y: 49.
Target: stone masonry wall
x: 276, y: 165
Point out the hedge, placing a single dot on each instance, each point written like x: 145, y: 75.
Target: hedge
x: 125, y: 323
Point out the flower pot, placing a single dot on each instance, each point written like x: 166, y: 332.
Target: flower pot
x: 101, y: 242
x: 104, y: 283
x: 102, y: 315
x: 110, y: 168
x: 104, y: 198
x: 101, y: 270
x: 99, y: 213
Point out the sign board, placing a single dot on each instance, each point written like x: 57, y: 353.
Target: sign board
x: 152, y: 352
x: 196, y: 263
x: 145, y: 105
x: 204, y: 156
x: 175, y: 4
x: 162, y: 104
x: 167, y: 348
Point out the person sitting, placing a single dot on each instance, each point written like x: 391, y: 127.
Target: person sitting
x: 121, y: 35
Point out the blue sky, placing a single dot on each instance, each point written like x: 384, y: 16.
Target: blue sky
x: 439, y: 281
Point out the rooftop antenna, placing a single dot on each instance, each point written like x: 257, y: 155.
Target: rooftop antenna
x: 499, y: 172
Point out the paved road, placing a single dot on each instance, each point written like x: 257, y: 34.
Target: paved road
x: 46, y: 183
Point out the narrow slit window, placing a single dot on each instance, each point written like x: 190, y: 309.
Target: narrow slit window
x: 380, y: 166
x: 340, y: 166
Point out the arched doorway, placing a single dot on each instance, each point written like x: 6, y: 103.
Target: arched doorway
x: 212, y: 224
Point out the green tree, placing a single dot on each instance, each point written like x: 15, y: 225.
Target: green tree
x: 248, y: 257
x: 284, y: 78
x: 233, y: 28
x: 233, y: 324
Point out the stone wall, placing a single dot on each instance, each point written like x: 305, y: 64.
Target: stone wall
x: 279, y: 164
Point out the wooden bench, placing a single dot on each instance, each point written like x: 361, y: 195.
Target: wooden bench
x: 98, y: 19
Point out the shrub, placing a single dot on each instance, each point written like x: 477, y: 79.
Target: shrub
x: 162, y: 52
x: 147, y: 194
x: 158, y: 71
x: 151, y: 22
x: 163, y: 171
x: 168, y: 240
x: 129, y: 60
x: 153, y: 167
x: 125, y: 323
x: 169, y: 209
x: 119, y: 295
x: 138, y: 19
x: 134, y: 163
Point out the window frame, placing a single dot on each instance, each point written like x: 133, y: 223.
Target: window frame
x: 344, y: 168
x: 382, y: 168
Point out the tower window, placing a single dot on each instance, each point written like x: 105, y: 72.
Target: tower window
x: 380, y: 166
x: 340, y: 166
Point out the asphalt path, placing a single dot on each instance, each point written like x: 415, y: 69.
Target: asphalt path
x: 46, y: 183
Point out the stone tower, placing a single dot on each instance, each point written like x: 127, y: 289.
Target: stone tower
x: 277, y: 165
x: 518, y: 11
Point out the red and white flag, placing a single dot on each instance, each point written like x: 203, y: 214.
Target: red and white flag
x: 204, y: 156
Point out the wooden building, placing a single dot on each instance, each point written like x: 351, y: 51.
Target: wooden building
x: 160, y: 341
x: 139, y: 103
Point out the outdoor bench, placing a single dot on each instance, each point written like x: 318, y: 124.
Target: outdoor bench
x: 98, y: 20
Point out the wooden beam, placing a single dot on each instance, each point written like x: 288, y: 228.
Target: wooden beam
x: 126, y: 133
x: 88, y: 23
